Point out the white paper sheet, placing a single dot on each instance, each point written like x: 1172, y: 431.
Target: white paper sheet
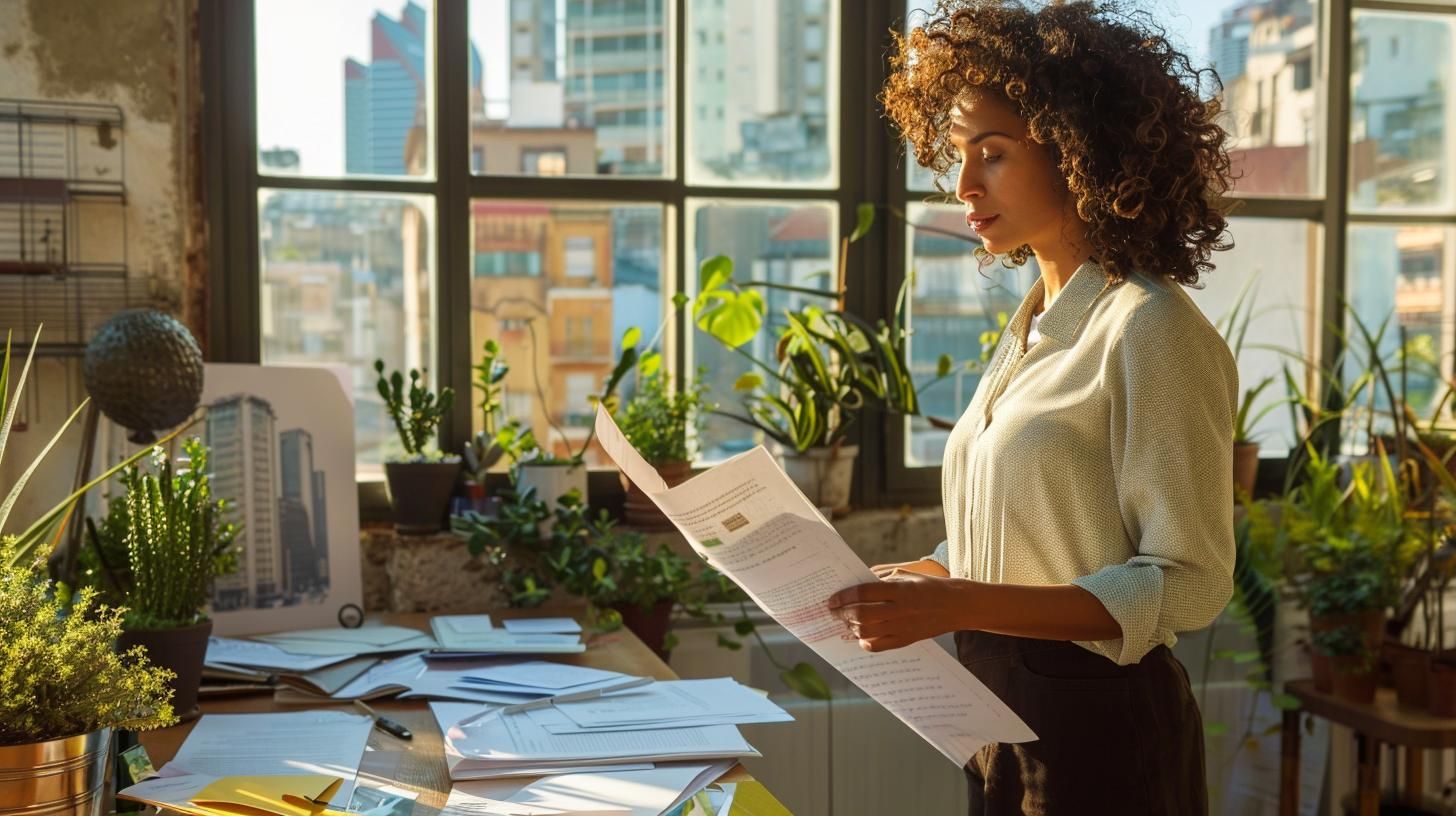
x: 616, y: 793
x: 542, y: 626
x: 748, y: 520
x: 464, y: 624
x: 722, y: 699
x: 555, y: 722
x: 298, y: 742
x: 257, y: 655
x: 512, y: 742
x: 543, y: 676
x: 339, y: 641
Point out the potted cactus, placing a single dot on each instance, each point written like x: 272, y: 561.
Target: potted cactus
x: 420, y: 481
x: 156, y: 553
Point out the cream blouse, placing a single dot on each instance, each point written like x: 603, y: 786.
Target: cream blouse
x: 1109, y: 461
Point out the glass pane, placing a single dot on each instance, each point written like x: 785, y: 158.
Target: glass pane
x: 762, y: 92
x: 1277, y: 260
x: 1402, y: 277
x: 557, y: 285
x: 952, y: 302
x: 788, y: 244
x: 347, y: 278
x: 345, y: 87
x: 576, y: 88
x: 1400, y: 152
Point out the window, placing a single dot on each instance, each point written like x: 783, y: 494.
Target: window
x: 581, y: 257
x: 543, y: 162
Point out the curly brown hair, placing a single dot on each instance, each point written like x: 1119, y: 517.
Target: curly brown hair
x: 1106, y: 92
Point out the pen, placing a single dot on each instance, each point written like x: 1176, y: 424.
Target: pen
x: 384, y: 723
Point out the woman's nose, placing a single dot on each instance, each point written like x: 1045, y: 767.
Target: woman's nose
x: 968, y: 187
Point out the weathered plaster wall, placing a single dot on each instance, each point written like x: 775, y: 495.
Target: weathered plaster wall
x: 139, y: 55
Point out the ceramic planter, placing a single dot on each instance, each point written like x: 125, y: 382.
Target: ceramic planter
x: 182, y: 651
x: 1246, y: 466
x: 825, y: 475
x: 420, y: 493
x: 59, y: 777
x: 639, y: 510
x: 551, y: 482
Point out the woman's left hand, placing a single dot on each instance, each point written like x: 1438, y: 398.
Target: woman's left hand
x: 902, y: 609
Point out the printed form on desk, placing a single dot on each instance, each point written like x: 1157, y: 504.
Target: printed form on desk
x: 748, y: 520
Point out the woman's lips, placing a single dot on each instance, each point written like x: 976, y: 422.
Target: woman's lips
x: 980, y: 222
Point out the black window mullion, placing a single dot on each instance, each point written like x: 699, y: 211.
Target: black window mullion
x: 452, y: 279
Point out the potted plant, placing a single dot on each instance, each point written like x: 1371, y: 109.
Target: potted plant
x: 1347, y: 548
x: 485, y: 449
x: 827, y: 366
x: 64, y: 686
x: 420, y: 483
x: 548, y: 475
x: 663, y: 425
x: 156, y: 552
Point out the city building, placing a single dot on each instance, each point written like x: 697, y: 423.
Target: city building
x: 242, y: 440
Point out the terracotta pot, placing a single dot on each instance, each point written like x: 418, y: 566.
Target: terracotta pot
x: 1410, y: 670
x: 1442, y: 698
x: 1351, y: 677
x: 649, y: 625
x: 825, y: 475
x: 420, y: 492
x: 1246, y: 466
x: 639, y: 511
x: 180, y: 650
x: 59, y: 777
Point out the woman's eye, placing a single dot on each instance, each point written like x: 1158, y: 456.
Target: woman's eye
x: 989, y: 158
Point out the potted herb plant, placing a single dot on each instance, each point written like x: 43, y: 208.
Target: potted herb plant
x: 156, y: 552
x: 484, y: 449
x: 64, y: 687
x: 663, y: 425
x: 421, y: 482
x: 827, y: 365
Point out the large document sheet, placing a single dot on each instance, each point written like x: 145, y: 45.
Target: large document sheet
x: 749, y: 521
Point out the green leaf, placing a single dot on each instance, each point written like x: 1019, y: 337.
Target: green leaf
x: 599, y: 568
x: 650, y: 363
x: 713, y: 273
x: 747, y: 382
x: 1215, y: 729
x: 1246, y: 657
x: 631, y: 337
x: 864, y: 219
x: 943, y: 365
x: 728, y: 643
x: 805, y: 680
x: 744, y: 627
x: 679, y: 299
x: 669, y: 641
x: 731, y: 317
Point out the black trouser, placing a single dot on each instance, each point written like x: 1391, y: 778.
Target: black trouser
x: 1112, y: 739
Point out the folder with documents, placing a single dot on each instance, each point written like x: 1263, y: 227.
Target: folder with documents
x: 273, y: 795
x: 475, y: 635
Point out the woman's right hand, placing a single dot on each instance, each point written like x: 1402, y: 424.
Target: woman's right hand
x: 924, y: 566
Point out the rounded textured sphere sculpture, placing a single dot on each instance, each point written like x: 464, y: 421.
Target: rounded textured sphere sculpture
x: 144, y: 370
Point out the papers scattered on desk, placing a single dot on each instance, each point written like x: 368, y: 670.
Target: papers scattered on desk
x: 749, y: 521
x: 513, y: 744
x: 252, y: 654
x: 647, y: 792
x: 475, y: 635
x: 542, y: 678
x: 350, y: 642
x: 276, y: 744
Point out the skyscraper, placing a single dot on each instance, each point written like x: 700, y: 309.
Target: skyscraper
x: 240, y: 435
x: 303, y: 547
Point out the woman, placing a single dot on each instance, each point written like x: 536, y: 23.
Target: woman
x: 1088, y: 487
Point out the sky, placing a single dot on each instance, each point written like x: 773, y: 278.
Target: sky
x: 302, y: 46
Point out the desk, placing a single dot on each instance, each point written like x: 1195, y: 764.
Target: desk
x: 419, y: 764
x: 1379, y: 723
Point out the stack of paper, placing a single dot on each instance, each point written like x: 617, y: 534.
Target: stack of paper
x: 664, y: 704
x: 533, y: 679
x: 310, y: 744
x: 505, y: 745
x: 351, y: 642
x: 647, y: 792
x: 475, y: 635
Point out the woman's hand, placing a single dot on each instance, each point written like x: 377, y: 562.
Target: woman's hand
x: 902, y: 609
x: 924, y: 566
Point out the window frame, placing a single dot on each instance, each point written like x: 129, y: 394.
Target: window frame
x: 875, y: 266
